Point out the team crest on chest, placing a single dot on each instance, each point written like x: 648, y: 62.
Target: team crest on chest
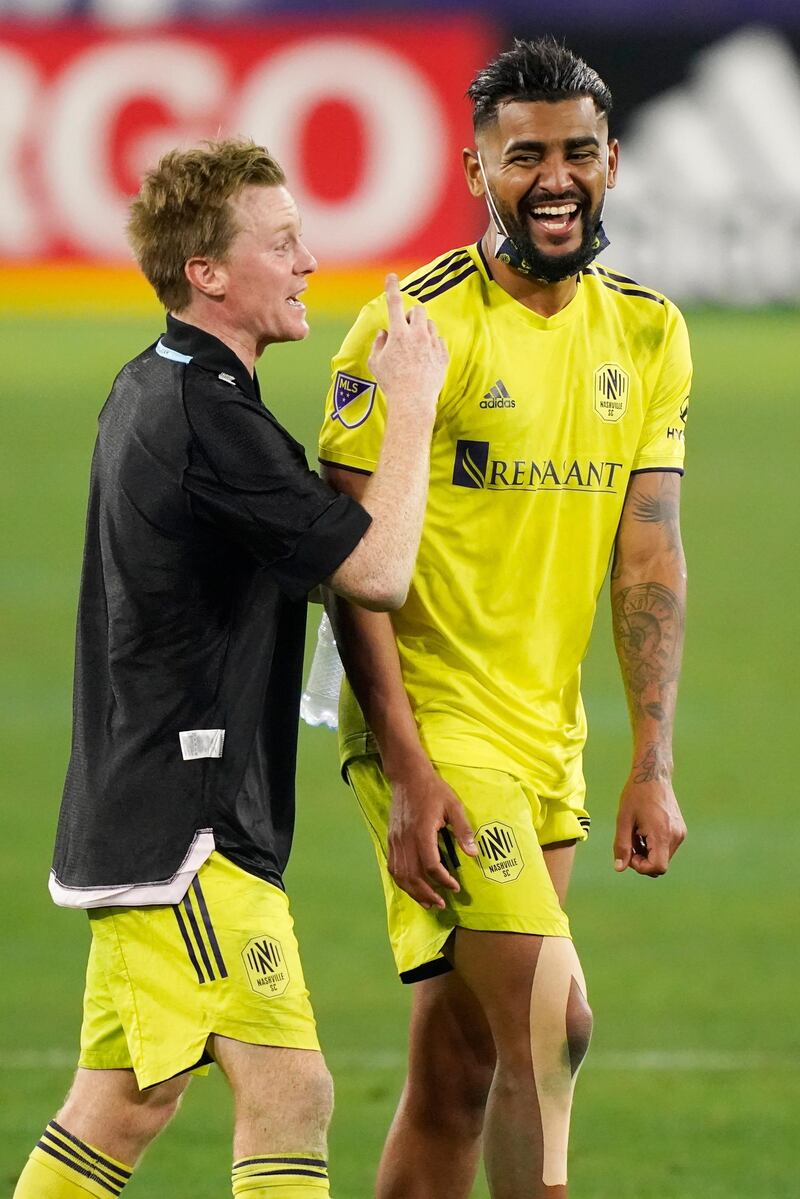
x: 353, y: 399
x: 611, y: 387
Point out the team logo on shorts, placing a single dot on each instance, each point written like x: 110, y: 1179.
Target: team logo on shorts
x: 265, y: 965
x: 353, y: 399
x: 499, y: 853
x: 611, y: 386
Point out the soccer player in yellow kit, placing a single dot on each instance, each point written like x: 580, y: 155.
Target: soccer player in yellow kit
x: 558, y: 445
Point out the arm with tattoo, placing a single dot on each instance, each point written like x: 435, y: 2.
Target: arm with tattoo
x: 648, y: 599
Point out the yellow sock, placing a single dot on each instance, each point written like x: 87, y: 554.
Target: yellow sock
x: 63, y: 1167
x: 281, y: 1176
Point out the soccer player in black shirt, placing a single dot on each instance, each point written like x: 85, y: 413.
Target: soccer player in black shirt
x: 206, y: 531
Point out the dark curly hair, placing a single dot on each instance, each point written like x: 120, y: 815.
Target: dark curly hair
x: 543, y: 69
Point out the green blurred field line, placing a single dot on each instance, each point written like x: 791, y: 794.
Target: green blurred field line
x: 682, y: 1060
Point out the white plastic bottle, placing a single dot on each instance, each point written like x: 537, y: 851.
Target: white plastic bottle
x: 319, y: 703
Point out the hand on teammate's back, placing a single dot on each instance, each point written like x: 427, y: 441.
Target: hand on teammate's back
x: 409, y: 360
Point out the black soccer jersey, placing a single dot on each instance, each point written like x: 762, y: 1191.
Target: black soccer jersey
x: 205, y: 532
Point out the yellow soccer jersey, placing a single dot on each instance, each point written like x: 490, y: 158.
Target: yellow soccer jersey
x: 539, y: 425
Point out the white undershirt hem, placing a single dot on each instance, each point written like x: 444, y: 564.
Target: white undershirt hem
x: 139, y: 895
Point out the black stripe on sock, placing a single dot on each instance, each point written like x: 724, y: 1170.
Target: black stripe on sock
x: 286, y: 1173
x: 84, y: 1161
x: 92, y: 1153
x: 321, y: 1163
x: 188, y: 943
x: 90, y: 1174
x: 212, y: 936
x: 200, y: 943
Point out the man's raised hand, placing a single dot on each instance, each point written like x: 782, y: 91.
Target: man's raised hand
x: 409, y: 359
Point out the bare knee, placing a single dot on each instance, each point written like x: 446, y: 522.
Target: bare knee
x: 550, y: 1032
x: 107, y: 1109
x: 284, y: 1097
x: 451, y: 1092
x: 452, y: 1058
x: 310, y: 1098
x: 307, y: 1092
x: 153, y: 1109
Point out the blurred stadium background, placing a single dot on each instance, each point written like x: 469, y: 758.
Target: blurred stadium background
x: 693, y: 1085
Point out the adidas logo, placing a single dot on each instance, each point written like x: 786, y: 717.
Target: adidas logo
x: 498, y: 397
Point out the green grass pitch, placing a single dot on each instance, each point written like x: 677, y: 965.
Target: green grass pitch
x: 692, y: 1087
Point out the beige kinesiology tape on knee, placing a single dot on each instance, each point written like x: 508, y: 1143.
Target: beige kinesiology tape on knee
x: 555, y: 1068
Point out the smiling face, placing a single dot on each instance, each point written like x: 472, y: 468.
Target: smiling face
x: 265, y: 268
x: 545, y: 163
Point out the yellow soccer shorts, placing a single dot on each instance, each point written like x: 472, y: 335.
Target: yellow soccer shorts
x: 507, y: 888
x: 161, y: 980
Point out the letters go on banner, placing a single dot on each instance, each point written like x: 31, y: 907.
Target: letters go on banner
x: 367, y: 119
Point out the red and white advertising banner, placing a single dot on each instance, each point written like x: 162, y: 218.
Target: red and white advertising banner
x: 368, y: 119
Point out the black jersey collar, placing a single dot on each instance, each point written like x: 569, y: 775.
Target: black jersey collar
x: 210, y: 353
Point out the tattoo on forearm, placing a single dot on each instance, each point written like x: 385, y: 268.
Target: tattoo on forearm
x: 648, y: 630
x: 652, y: 765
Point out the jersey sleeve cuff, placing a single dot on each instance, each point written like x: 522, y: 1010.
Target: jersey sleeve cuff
x: 336, y: 457
x: 645, y: 465
x: 331, y: 538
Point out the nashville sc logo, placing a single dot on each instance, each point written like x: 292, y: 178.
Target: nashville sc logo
x: 499, y: 854
x: 266, y: 968
x: 475, y: 466
x: 611, y: 386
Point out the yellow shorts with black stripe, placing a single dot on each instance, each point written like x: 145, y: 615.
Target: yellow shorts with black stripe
x: 161, y: 980
x: 507, y: 888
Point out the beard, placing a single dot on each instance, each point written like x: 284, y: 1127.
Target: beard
x: 552, y: 268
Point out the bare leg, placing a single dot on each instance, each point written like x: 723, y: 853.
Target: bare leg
x: 99, y: 1134
x: 283, y: 1101
x: 559, y: 860
x: 532, y: 992
x: 107, y: 1109
x: 436, y: 1132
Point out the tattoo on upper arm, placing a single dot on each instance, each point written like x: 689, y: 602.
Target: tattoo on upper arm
x: 648, y: 629
x: 660, y: 509
x: 655, y: 509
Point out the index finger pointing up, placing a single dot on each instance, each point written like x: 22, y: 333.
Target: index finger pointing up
x: 394, y: 301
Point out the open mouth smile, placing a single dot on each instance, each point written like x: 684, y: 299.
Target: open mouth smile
x: 559, y: 219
